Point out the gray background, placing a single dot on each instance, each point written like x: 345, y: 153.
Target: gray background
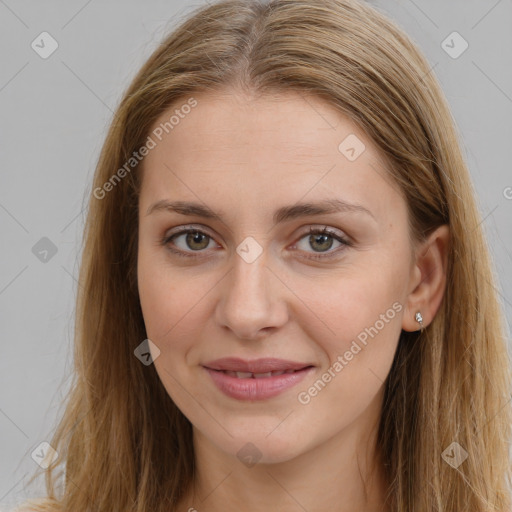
x: 54, y: 117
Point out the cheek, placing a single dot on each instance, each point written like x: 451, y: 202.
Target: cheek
x: 165, y: 297
x: 175, y: 308
x: 168, y: 301
x: 363, y: 313
x: 367, y: 327
x: 343, y: 308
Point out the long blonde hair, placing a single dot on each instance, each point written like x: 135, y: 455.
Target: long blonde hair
x: 122, y: 443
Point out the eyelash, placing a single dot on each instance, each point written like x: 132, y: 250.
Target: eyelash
x: 312, y: 231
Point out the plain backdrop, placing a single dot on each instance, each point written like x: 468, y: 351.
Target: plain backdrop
x: 55, y: 112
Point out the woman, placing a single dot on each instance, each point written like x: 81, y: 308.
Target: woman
x: 286, y: 299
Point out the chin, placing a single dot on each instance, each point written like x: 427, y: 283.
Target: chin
x: 255, y: 444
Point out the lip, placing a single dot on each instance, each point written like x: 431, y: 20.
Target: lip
x: 262, y: 387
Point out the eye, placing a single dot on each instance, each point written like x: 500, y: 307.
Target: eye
x: 322, y: 240
x: 192, y: 242
x: 188, y: 242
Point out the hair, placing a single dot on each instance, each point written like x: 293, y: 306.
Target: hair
x: 122, y: 443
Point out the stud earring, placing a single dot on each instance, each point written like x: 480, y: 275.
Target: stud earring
x: 419, y: 319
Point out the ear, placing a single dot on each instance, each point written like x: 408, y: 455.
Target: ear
x: 428, y: 279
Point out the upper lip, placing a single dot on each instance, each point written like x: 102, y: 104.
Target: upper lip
x: 263, y: 365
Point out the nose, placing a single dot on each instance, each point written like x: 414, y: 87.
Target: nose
x: 252, y: 303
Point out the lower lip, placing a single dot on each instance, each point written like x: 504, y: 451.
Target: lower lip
x: 256, y: 389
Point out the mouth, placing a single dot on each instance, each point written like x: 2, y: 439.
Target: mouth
x: 263, y: 366
x: 258, y: 379
x: 264, y: 375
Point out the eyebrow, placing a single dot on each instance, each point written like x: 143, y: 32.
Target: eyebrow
x: 283, y: 214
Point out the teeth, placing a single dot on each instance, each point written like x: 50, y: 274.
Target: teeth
x: 243, y: 375
x: 249, y: 375
x: 262, y: 375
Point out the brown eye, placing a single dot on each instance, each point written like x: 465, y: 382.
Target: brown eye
x: 321, y: 241
x: 197, y: 240
x: 188, y: 241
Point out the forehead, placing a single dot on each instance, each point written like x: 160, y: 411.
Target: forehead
x: 265, y: 148
x: 235, y: 120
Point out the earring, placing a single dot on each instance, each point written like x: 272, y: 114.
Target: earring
x: 419, y: 319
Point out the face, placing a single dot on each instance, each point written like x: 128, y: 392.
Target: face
x: 276, y: 323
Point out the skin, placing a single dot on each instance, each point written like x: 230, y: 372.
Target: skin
x: 246, y: 157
